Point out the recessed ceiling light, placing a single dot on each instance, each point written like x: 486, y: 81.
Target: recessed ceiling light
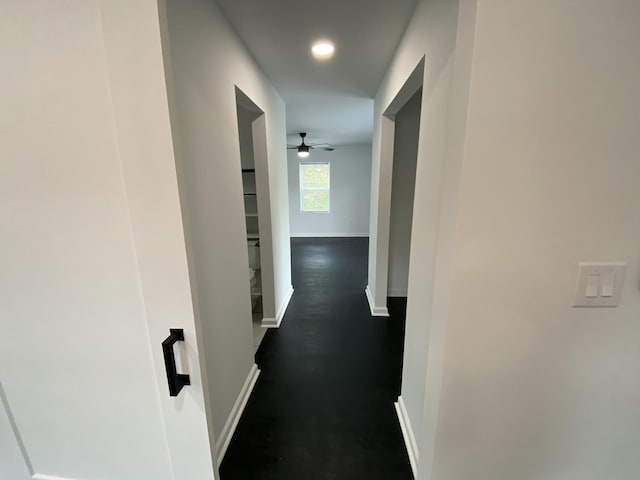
x: 323, y: 49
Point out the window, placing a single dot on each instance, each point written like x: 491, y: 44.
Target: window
x: 314, y: 187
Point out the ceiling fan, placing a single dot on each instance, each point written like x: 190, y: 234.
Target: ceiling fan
x: 303, y: 148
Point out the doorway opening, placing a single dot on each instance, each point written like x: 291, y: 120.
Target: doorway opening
x: 403, y: 180
x: 393, y: 192
x: 255, y: 191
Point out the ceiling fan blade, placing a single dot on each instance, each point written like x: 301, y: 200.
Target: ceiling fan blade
x: 323, y: 146
x: 292, y: 147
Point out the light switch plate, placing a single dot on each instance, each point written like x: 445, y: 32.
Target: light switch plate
x: 599, y: 284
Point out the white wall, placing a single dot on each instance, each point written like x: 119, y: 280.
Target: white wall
x: 245, y: 135
x: 205, y: 62
x: 350, y: 192
x: 533, y: 388
x: 405, y: 155
x: 538, y: 172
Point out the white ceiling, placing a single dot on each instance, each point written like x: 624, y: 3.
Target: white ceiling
x: 331, y: 100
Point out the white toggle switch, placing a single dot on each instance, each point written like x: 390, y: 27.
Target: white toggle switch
x: 599, y: 284
x: 593, y: 284
x: 608, y: 283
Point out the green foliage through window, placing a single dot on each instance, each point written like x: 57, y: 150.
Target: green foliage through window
x: 314, y: 187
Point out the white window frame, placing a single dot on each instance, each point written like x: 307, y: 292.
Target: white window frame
x: 302, y: 189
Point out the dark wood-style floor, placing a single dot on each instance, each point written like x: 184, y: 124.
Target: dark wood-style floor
x: 323, y: 405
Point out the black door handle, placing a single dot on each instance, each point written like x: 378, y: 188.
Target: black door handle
x: 176, y: 380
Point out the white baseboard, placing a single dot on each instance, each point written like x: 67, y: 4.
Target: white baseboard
x: 236, y: 412
x: 407, y: 433
x: 39, y: 476
x: 328, y: 235
x: 275, y: 322
x: 397, y: 293
x: 375, y: 311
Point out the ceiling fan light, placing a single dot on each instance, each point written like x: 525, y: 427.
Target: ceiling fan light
x: 303, y: 151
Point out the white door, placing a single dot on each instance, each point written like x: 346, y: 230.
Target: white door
x: 93, y: 270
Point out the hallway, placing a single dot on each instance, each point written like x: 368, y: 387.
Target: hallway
x: 323, y: 405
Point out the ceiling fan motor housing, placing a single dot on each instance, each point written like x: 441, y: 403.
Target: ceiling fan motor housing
x: 304, y: 149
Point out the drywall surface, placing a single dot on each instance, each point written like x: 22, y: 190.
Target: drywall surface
x: 245, y: 135
x: 350, y: 167
x: 405, y: 155
x: 533, y: 388
x: 205, y: 62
